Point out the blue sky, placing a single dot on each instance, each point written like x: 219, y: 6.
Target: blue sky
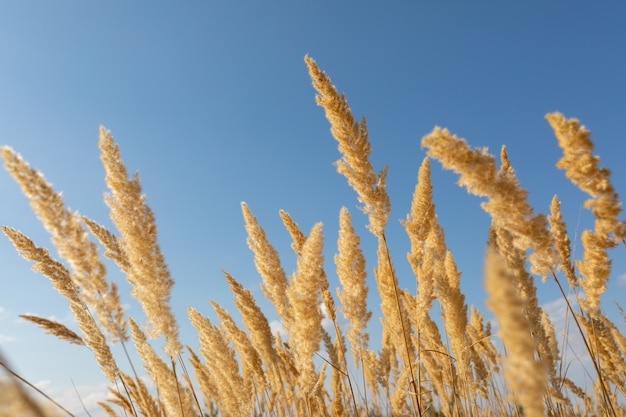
x: 212, y: 104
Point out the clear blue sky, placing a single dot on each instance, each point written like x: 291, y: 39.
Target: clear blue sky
x: 212, y: 104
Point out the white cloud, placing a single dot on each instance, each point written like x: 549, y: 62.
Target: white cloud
x: 6, y: 339
x: 43, y: 385
x: 621, y: 280
x: 70, y: 397
x: 557, y: 310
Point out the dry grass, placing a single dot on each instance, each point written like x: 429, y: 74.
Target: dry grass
x: 421, y: 369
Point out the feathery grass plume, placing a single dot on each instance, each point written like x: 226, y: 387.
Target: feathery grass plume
x: 61, y: 281
x: 303, y: 294
x: 427, y: 245
x: 620, y: 338
x: 396, y: 321
x: 55, y: 328
x: 58, y: 275
x: 558, y: 228
x: 108, y: 409
x: 609, y: 354
x: 516, y: 263
x: 581, y: 167
x: 290, y: 374
x: 330, y: 311
x: 556, y: 382
x: 268, y: 265
x: 435, y: 271
x: 395, y: 315
x: 507, y: 204
x: 355, y: 150
x: 340, y: 378
x: 141, y: 396
x: 431, y: 371
x: 317, y: 407
x: 398, y: 400
x: 95, y: 340
x: 480, y: 334
x: 339, y: 403
x: 524, y: 374
x: 482, y: 352
x: 221, y: 363
x: 419, y: 221
x: 352, y: 275
x: 595, y: 269
x: 299, y: 239
x: 148, y: 274
x: 435, y: 359
x: 121, y: 401
x: 72, y: 243
x: 260, y: 332
x: 110, y: 242
x: 175, y: 396
x: 454, y: 316
x: 203, y: 378
x: 251, y: 364
x: 372, y: 380
x: 294, y: 231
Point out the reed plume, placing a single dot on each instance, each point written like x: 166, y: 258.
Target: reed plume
x: 581, y: 167
x: 147, y: 271
x: 351, y: 272
x: 55, y: 328
x: 304, y: 295
x: 251, y: 364
x: 296, y: 234
x: 524, y: 374
x: 55, y: 271
x: 72, y: 243
x: 562, y: 243
x: 259, y: 329
x: 221, y: 364
x: 507, y: 204
x: 175, y: 396
x: 355, y: 150
x: 268, y: 265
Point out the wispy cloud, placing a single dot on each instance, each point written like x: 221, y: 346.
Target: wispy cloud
x: 73, y: 399
x: 6, y: 339
x: 621, y: 280
x: 557, y: 310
